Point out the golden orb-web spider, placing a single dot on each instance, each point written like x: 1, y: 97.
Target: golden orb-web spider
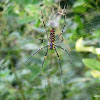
x: 52, y: 45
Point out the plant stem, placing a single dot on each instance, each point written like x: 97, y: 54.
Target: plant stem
x: 20, y: 86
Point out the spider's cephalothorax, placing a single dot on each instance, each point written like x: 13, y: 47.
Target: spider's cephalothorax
x: 52, y: 39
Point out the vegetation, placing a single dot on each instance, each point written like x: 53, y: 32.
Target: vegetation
x: 21, y: 25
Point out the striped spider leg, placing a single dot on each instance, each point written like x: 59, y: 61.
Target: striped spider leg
x: 65, y: 51
x: 59, y: 63
x: 62, y: 29
x: 44, y: 24
x: 34, y: 54
x: 43, y: 60
x: 42, y: 65
x: 42, y: 19
x: 59, y: 59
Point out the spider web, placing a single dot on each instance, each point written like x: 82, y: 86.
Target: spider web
x: 90, y: 25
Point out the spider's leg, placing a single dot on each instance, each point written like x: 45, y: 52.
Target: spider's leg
x: 34, y: 54
x: 40, y: 39
x: 60, y: 41
x: 65, y: 51
x: 62, y: 29
x: 44, y: 24
x: 60, y: 65
x: 42, y: 65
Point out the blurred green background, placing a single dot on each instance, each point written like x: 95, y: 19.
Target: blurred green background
x: 20, y: 23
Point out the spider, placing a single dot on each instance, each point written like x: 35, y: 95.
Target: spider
x: 52, y: 45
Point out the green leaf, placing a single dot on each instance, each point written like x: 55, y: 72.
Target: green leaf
x: 92, y: 64
x: 79, y: 3
x: 80, y: 9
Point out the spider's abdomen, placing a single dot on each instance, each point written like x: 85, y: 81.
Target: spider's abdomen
x: 52, y: 35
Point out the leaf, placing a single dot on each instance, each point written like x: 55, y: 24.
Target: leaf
x: 79, y: 3
x: 95, y: 74
x: 81, y: 48
x: 80, y: 6
x: 92, y: 64
x: 80, y: 9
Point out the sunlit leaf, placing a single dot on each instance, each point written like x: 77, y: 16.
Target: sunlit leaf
x: 81, y: 48
x: 95, y: 74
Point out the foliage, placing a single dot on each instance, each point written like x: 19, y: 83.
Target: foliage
x: 20, y: 23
